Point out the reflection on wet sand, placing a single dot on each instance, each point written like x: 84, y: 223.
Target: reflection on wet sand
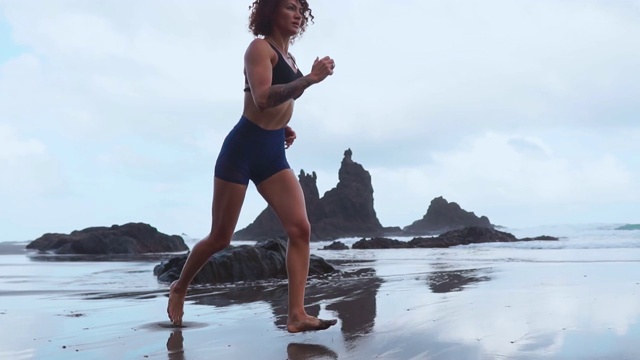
x: 297, y: 351
x: 454, y: 280
x: 175, y: 347
x: 51, y: 257
x: 352, y: 298
x: 357, y: 309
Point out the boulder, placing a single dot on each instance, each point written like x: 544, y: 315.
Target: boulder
x: 466, y: 236
x: 336, y: 245
x: 379, y: 243
x: 443, y: 216
x: 127, y: 239
x: 263, y: 261
x: 540, y: 238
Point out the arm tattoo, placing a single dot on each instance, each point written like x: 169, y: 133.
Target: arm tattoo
x: 278, y: 94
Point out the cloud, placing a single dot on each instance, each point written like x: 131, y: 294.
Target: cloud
x: 28, y: 170
x: 144, y: 93
x: 493, y: 172
x: 512, y: 168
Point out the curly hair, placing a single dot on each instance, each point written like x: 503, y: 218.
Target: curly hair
x: 263, y: 11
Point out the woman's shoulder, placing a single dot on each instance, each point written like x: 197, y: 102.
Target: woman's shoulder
x: 259, y: 47
x: 259, y: 43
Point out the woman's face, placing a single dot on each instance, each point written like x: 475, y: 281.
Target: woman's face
x: 288, y: 17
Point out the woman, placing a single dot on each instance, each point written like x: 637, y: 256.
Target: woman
x: 255, y: 150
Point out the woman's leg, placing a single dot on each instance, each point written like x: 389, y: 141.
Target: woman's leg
x: 227, y: 202
x: 284, y: 194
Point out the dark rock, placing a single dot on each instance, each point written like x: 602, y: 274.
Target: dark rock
x: 347, y: 210
x: 265, y: 260
x: 540, y: 238
x: 466, y: 236
x: 336, y: 245
x: 344, y: 211
x: 444, y: 216
x: 129, y: 239
x: 265, y: 226
x: 469, y: 235
x: 393, y: 231
x: 379, y: 243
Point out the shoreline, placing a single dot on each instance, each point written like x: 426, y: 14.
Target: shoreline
x: 574, y: 299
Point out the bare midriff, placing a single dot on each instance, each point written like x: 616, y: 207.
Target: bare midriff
x: 270, y: 119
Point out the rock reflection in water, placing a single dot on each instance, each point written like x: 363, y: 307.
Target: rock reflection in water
x: 357, y: 308
x: 300, y: 351
x: 351, y: 296
x: 455, y: 280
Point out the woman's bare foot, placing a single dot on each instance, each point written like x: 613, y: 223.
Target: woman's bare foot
x: 309, y: 323
x: 175, y: 308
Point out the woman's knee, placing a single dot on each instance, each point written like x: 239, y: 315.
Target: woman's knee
x: 299, y: 231
x: 220, y: 237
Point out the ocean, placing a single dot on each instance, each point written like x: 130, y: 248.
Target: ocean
x: 575, y: 298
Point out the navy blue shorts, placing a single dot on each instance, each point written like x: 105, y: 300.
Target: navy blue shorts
x: 250, y: 152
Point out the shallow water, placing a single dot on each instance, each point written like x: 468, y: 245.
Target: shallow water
x: 572, y: 299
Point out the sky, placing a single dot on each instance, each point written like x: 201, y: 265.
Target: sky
x: 525, y: 111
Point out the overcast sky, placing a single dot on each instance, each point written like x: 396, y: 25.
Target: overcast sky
x: 525, y: 111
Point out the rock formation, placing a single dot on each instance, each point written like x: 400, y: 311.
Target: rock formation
x: 336, y: 245
x: 344, y: 211
x: 263, y: 261
x: 347, y: 210
x: 379, y: 243
x: 465, y: 236
x: 128, y: 239
x: 444, y: 216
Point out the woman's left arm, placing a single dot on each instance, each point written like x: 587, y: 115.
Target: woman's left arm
x: 289, y: 136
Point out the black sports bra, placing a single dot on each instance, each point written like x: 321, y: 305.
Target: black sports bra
x: 282, y: 72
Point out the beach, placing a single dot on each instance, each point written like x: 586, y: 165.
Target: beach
x: 576, y: 298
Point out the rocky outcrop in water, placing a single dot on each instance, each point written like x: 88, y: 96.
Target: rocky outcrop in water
x: 443, y: 216
x: 466, y: 236
x: 336, y: 245
x: 127, y: 239
x: 344, y: 211
x: 379, y: 243
x: 263, y: 261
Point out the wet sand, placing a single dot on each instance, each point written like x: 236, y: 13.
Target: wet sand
x: 460, y: 303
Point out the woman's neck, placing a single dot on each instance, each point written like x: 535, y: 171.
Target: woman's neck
x: 282, y: 42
